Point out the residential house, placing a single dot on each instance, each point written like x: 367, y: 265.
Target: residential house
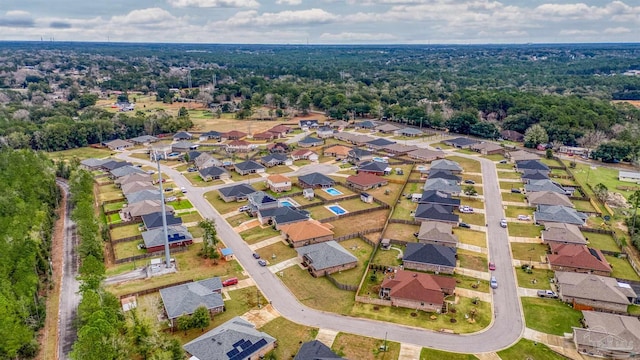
x: 426, y: 155
x: 447, y: 165
x: 548, y: 198
x: 374, y: 167
x: 236, y: 339
x: 275, y: 160
x: 125, y: 171
x: 512, y: 135
x: 265, y: 136
x: 436, y: 212
x: 387, y: 128
x: 92, y: 164
x: 135, y: 186
x: 144, y: 140
x: 544, y: 185
x: 531, y: 165
x: 316, y: 350
x: 438, y: 197
x: 365, y: 181
x: 278, y: 183
x: 184, y: 299
x: 210, y: 135
x: 445, y: 175
x: 521, y: 155
x: 280, y: 130
x: 324, y: 132
x: 460, y: 142
x: 561, y: 233
x: 559, y: 214
x: 305, y: 233
x: 280, y: 216
x: 308, y: 124
x: 310, y: 141
x: 429, y: 257
x: 260, y: 200
x: 367, y: 124
x: 142, y: 195
x: 141, y: 208
x: 154, y: 220
x: 119, y: 144
x: 437, y: 233
x: 236, y: 192
x: 573, y: 150
x: 594, y: 292
x: 400, y: 149
x: 304, y: 154
x: 177, y: 236
x: 442, y: 185
x: 409, y: 132
x: 248, y: 167
x: 191, y: 156
x: 578, y: 258
x: 233, y: 135
x: 214, y: 173
x: 183, y: 146
x: 326, y: 258
x: 119, y: 182
x: 315, y: 180
x: 206, y: 160
x: 238, y: 146
x: 340, y: 124
x: 379, y: 144
x: 278, y: 148
x: 487, y: 148
x: 533, y: 175
x: 608, y: 336
x: 338, y: 151
x: 416, y: 290
x: 629, y: 176
x: 110, y: 165
x: 182, y: 135
x: 357, y: 155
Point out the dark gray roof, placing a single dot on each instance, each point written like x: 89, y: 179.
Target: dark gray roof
x: 543, y: 185
x: 444, y: 164
x: 367, y: 124
x: 436, y: 212
x: 186, y: 298
x: 358, y: 153
x: 143, y: 195
x: 560, y: 214
x: 381, y: 142
x: 531, y: 165
x: 438, y: 197
x: 114, y: 164
x: 374, y: 166
x: 144, y: 139
x: 248, y: 165
x: 237, y: 190
x: 237, y: 339
x: 184, y: 145
x: 316, y: 179
x: 126, y: 170
x: 261, y: 198
x: 274, y: 158
x: 154, y: 220
x: 430, y: 254
x: 284, y: 215
x: 325, y: 129
x: 182, y: 135
x: 310, y: 140
x: 535, y: 175
x: 316, y: 350
x: 326, y: 255
x: 211, y: 134
x: 194, y: 154
x: 443, y: 174
x: 92, y: 162
x: 461, y: 141
x: 308, y: 123
x: 410, y: 131
x: 155, y: 237
x: 443, y: 185
x: 213, y: 171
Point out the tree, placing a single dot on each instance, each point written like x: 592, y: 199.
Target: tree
x: 548, y: 154
x: 470, y: 190
x: 601, y: 191
x: 461, y: 123
x: 634, y: 199
x: 535, y: 135
x: 200, y: 318
x: 209, y: 239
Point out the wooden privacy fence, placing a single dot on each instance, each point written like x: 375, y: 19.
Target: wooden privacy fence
x: 360, y: 234
x: 129, y: 238
x: 155, y: 289
x: 339, y: 285
x: 374, y: 301
x: 406, y: 222
x: 353, y: 213
x: 150, y: 255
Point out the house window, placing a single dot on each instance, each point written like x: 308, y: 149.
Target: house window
x: 421, y: 304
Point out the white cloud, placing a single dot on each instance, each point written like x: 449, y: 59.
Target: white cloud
x: 288, y: 2
x: 577, y: 32
x: 17, y: 13
x: 351, y: 37
x: 289, y: 17
x: 214, y: 3
x: 145, y: 16
x: 617, y: 30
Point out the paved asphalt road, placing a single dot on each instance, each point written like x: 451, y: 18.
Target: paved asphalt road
x: 69, y: 296
x: 505, y: 330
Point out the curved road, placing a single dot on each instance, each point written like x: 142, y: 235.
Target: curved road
x: 506, y: 328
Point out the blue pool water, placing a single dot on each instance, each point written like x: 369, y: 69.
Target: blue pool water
x: 379, y: 159
x: 286, y: 203
x: 336, y: 209
x: 333, y: 191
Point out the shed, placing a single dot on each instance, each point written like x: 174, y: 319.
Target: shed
x: 385, y: 244
x: 366, y: 197
x: 227, y: 254
x: 308, y: 193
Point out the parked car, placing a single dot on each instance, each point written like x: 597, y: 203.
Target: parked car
x: 466, y: 209
x: 416, y: 234
x: 516, y: 191
x: 547, y: 294
x: 243, y: 208
x: 492, y: 266
x: 469, y: 182
x: 168, y: 189
x: 464, y: 225
x: 230, y: 281
x: 184, y: 191
x: 256, y: 256
x: 192, y: 169
x: 493, y: 283
x: 438, y: 148
x: 524, y: 217
x: 170, y: 199
x: 503, y: 223
x: 503, y: 161
x: 262, y: 262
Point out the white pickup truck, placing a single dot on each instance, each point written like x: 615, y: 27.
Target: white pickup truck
x: 547, y: 294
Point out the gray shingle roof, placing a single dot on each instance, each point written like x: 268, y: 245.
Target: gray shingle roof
x: 143, y: 195
x: 277, y: 158
x: 531, y: 165
x: 443, y: 174
x: 237, y: 190
x: 543, y: 185
x: 444, y: 164
x: 144, y: 139
x: 443, y: 185
x: 559, y: 214
x: 284, y: 215
x: 593, y: 287
x: 435, y: 212
x: 375, y: 166
x: 381, y: 142
x: 315, y: 350
x: 126, y: 170
x: 182, y: 135
x: 154, y: 220
x: 316, y: 179
x: 549, y: 198
x: 561, y: 232
x: 155, y: 237
x: 186, y: 298
x: 237, y: 339
x: 114, y: 164
x: 91, y: 162
x: 461, y: 141
x: 410, y: 131
x: 535, y: 175
x: 326, y: 255
x: 430, y: 254
x: 248, y: 165
x: 437, y: 231
x: 310, y: 140
x: 213, y: 171
x: 438, y: 197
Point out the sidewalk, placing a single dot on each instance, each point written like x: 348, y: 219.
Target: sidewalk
x: 409, y: 352
x: 283, y: 265
x: 468, y: 293
x: 264, y: 243
x: 519, y: 239
x: 326, y: 336
x: 473, y: 273
x: 261, y: 316
x: 473, y: 248
x: 557, y: 343
x: 247, y: 225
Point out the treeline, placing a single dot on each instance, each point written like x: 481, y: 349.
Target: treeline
x: 27, y: 214
x: 104, y: 332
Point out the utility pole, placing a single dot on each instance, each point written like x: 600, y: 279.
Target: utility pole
x: 165, y: 231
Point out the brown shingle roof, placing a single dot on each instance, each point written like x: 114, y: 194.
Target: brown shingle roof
x: 578, y: 256
x: 366, y: 179
x: 338, y: 150
x: 418, y: 286
x: 278, y: 178
x: 305, y: 230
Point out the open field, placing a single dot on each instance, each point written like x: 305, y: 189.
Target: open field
x: 527, y: 251
x: 601, y: 241
x: 471, y: 237
x: 538, y: 279
x: 527, y: 349
x: 80, y: 153
x: 290, y: 336
x: 597, y: 175
x: 276, y: 253
x: 621, y: 268
x: 550, y: 316
x: 258, y: 233
x: 468, y: 165
x: 359, y: 347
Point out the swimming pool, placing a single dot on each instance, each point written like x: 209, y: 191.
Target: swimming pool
x: 288, y: 202
x: 333, y: 191
x: 379, y: 159
x: 337, y: 209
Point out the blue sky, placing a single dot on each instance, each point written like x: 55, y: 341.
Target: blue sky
x: 322, y: 21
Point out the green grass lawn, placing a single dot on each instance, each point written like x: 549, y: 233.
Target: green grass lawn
x: 471, y: 283
x: 196, y: 231
x: 621, y: 268
x: 128, y: 249
x: 314, y: 292
x: 281, y: 251
x: 599, y: 174
x: 290, y: 336
x: 550, y: 162
x: 236, y: 220
x: 524, y: 230
x: 468, y: 165
x: 583, y: 205
x: 466, y: 151
x: 114, y: 206
x: 475, y: 219
x: 476, y: 178
x: 280, y: 169
x: 258, y: 233
x: 538, y: 279
x: 472, y: 260
x: 601, y: 241
x: 125, y: 231
x: 507, y: 166
x: 80, y: 153
x: 527, y: 349
x: 633, y: 310
x: 213, y: 197
x: 526, y: 251
x: 320, y: 212
x: 357, y: 204
x: 508, y: 185
x: 193, y: 216
x: 514, y: 211
x: 388, y: 257
x: 494, y: 157
x: 180, y: 204
x: 507, y: 175
x: 550, y: 316
x: 513, y: 197
x: 294, y: 189
x: 359, y: 347
x: 429, y: 354
x: 471, y: 237
x: 361, y: 250
x: 403, y: 210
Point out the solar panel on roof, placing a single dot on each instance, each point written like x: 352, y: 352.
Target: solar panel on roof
x: 249, y: 350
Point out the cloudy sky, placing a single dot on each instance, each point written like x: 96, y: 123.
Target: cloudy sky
x: 322, y: 21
